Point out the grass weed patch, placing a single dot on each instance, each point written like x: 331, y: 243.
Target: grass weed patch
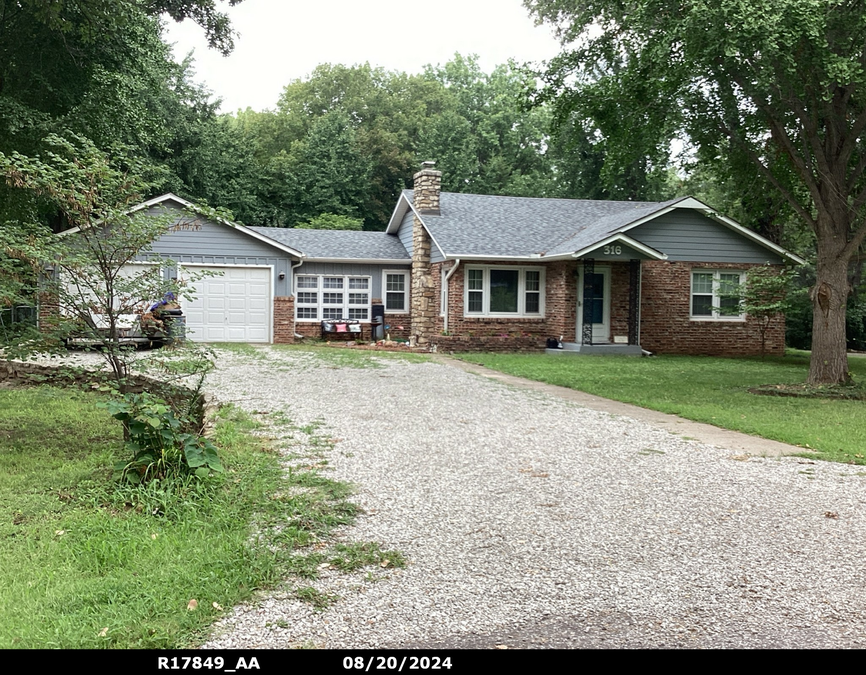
x: 90, y: 563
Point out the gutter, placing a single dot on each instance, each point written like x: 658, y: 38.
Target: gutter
x: 292, y: 280
x: 447, y: 278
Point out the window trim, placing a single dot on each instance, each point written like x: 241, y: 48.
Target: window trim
x: 320, y: 290
x: 406, y: 281
x: 715, y: 297
x: 521, y: 292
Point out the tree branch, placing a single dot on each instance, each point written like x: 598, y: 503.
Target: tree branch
x: 786, y: 194
x: 855, y: 242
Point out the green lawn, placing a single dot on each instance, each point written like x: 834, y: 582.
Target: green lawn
x: 712, y: 390
x: 88, y: 563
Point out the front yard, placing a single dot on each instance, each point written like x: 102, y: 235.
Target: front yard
x: 711, y: 390
x: 91, y: 563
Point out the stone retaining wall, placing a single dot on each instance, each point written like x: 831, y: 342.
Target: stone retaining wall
x: 23, y: 373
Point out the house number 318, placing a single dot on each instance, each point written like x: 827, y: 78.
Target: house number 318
x: 612, y: 250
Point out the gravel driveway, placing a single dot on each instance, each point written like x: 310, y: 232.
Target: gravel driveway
x: 528, y: 521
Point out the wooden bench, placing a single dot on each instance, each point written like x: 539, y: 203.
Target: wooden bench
x: 350, y: 327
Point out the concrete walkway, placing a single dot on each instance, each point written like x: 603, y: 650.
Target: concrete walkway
x: 705, y: 433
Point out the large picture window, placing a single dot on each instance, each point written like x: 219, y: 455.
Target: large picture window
x: 332, y: 297
x: 715, y: 295
x: 504, y: 291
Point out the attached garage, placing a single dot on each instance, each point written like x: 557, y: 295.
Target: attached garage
x: 232, y: 303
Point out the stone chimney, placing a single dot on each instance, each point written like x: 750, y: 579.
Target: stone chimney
x: 427, y: 186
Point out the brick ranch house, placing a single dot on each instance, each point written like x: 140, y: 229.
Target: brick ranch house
x: 479, y: 272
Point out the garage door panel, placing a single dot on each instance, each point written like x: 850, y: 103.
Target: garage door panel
x: 234, y: 306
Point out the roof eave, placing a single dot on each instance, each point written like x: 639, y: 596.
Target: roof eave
x: 648, y: 251
x: 364, y: 261
x: 494, y: 256
x: 397, y: 215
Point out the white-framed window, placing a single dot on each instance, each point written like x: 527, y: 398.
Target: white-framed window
x: 395, y: 291
x: 715, y: 295
x: 328, y: 296
x: 503, y: 291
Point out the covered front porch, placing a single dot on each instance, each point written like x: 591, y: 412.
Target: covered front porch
x: 608, y: 279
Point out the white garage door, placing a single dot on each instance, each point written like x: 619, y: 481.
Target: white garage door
x: 234, y: 305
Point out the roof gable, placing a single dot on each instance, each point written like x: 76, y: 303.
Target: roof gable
x: 172, y: 201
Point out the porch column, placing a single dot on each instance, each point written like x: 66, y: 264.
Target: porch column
x: 588, y: 297
x: 633, y: 301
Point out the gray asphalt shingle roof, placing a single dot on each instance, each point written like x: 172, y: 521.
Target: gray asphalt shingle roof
x: 338, y: 244
x: 493, y: 226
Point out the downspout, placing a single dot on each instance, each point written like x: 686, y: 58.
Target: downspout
x: 292, y: 281
x: 448, y: 276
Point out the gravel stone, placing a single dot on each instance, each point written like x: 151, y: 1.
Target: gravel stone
x: 530, y: 522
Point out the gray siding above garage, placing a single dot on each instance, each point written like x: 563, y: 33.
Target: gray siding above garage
x: 352, y: 270
x: 687, y: 235
x: 195, y: 240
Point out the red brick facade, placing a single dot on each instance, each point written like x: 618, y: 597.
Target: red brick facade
x: 400, y: 326
x: 520, y: 333
x: 466, y: 333
x: 284, y: 319
x: 48, y: 311
x: 667, y: 326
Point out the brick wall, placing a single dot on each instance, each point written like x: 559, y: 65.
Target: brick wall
x: 284, y: 319
x: 666, y: 326
x: 48, y: 311
x: 506, y: 334
x: 619, y: 275
x: 562, y: 299
x: 401, y: 325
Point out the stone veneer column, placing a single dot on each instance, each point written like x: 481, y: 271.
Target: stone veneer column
x: 427, y: 187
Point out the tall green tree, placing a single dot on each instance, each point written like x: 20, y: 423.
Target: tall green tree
x: 781, y: 81
x: 95, y: 68
x: 330, y: 172
x: 487, y: 138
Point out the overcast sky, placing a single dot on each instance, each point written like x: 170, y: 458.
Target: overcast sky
x: 283, y: 40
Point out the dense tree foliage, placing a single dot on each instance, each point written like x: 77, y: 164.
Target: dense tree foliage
x: 347, y: 139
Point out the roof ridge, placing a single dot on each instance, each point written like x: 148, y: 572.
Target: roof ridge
x: 554, y: 199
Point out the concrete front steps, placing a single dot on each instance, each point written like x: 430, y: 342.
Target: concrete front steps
x: 577, y: 349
